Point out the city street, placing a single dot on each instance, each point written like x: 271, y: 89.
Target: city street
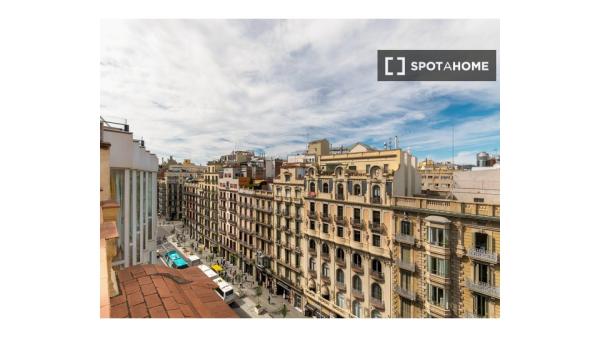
x: 244, y: 286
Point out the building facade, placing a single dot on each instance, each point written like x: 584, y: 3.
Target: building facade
x: 133, y: 171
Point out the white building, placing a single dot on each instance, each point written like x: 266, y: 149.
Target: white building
x: 133, y: 171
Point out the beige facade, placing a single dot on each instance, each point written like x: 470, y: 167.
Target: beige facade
x: 350, y: 236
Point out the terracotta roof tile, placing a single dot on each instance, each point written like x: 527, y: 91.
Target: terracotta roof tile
x: 158, y: 312
x: 148, y: 289
x: 153, y: 301
x: 139, y: 311
x: 158, y: 291
x: 175, y: 313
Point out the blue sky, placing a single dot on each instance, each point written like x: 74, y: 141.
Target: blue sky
x: 201, y: 88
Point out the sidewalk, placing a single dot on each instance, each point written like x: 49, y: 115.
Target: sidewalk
x: 247, y: 288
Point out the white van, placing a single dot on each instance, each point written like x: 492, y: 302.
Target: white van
x: 224, y: 291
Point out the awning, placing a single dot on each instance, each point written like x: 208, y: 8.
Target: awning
x: 310, y: 307
x: 283, y: 285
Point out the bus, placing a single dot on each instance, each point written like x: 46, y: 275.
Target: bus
x: 224, y: 290
x: 173, y: 260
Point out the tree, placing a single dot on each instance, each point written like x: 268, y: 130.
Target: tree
x: 284, y: 311
x: 258, y: 290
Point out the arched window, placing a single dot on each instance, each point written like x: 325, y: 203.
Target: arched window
x: 356, y: 283
x: 376, y: 191
x: 325, y: 187
x: 312, y: 264
x: 356, y: 189
x: 356, y: 260
x: 376, y: 265
x: 325, y: 270
x: 339, y: 276
x: 340, y: 189
x: 339, y: 254
x: 312, y: 244
x: 375, y: 314
x: 311, y: 187
x: 325, y: 249
x: 356, y: 308
x: 376, y: 291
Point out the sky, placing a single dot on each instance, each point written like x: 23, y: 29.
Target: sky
x: 199, y: 89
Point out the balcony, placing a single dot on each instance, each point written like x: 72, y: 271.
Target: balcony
x: 357, y: 268
x: 311, y: 195
x: 326, y: 257
x: 483, y: 288
x: 405, y: 238
x: 377, y: 303
x: 312, y: 215
x: 356, y: 223
x: 340, y: 262
x: 358, y: 294
x: 405, y: 293
x: 376, y: 200
x: 377, y: 276
x: 312, y: 273
x: 377, y: 227
x: 298, y: 250
x: 312, y: 251
x: 482, y: 255
x: 339, y: 196
x: 406, y: 265
x: 326, y: 279
x: 438, y: 309
x: 338, y: 219
x: 341, y: 286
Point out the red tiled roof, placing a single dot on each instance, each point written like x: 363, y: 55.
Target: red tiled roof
x: 161, y: 292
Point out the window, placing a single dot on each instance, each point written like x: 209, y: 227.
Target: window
x: 376, y: 266
x: 325, y: 249
x: 375, y: 314
x: 385, y: 168
x: 437, y: 266
x: 312, y: 207
x: 312, y: 225
x: 325, y: 228
x: 340, y: 211
x: 376, y: 191
x: 480, y: 304
x: 357, y: 213
x: 405, y: 227
x: 376, y: 291
x: 312, y: 245
x: 480, y: 241
x: 357, y: 235
x: 357, y: 283
x: 405, y: 280
x: 356, y: 260
x: 356, y: 308
x: 340, y: 190
x: 287, y: 177
x: 339, y: 276
x: 376, y: 240
x: 438, y: 237
x: 405, y: 308
x: 376, y: 217
x: 311, y: 187
x: 340, y: 231
x: 312, y: 264
x: 356, y: 189
x: 325, y: 210
x: 340, y: 301
x: 325, y: 188
x: 339, y: 254
x: 325, y: 270
x: 477, y: 199
x: 481, y: 273
x: 437, y: 296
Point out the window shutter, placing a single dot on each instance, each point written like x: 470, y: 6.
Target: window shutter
x: 473, y: 239
x: 350, y: 189
x: 331, y: 185
x: 490, y: 243
x: 363, y: 188
x: 320, y: 185
x: 388, y: 188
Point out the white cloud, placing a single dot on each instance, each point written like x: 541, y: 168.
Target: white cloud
x: 198, y: 88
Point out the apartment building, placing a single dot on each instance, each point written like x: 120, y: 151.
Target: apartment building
x: 288, y: 265
x: 350, y: 230
x: 175, y: 176
x: 133, y: 184
x: 351, y: 235
x: 446, y: 258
